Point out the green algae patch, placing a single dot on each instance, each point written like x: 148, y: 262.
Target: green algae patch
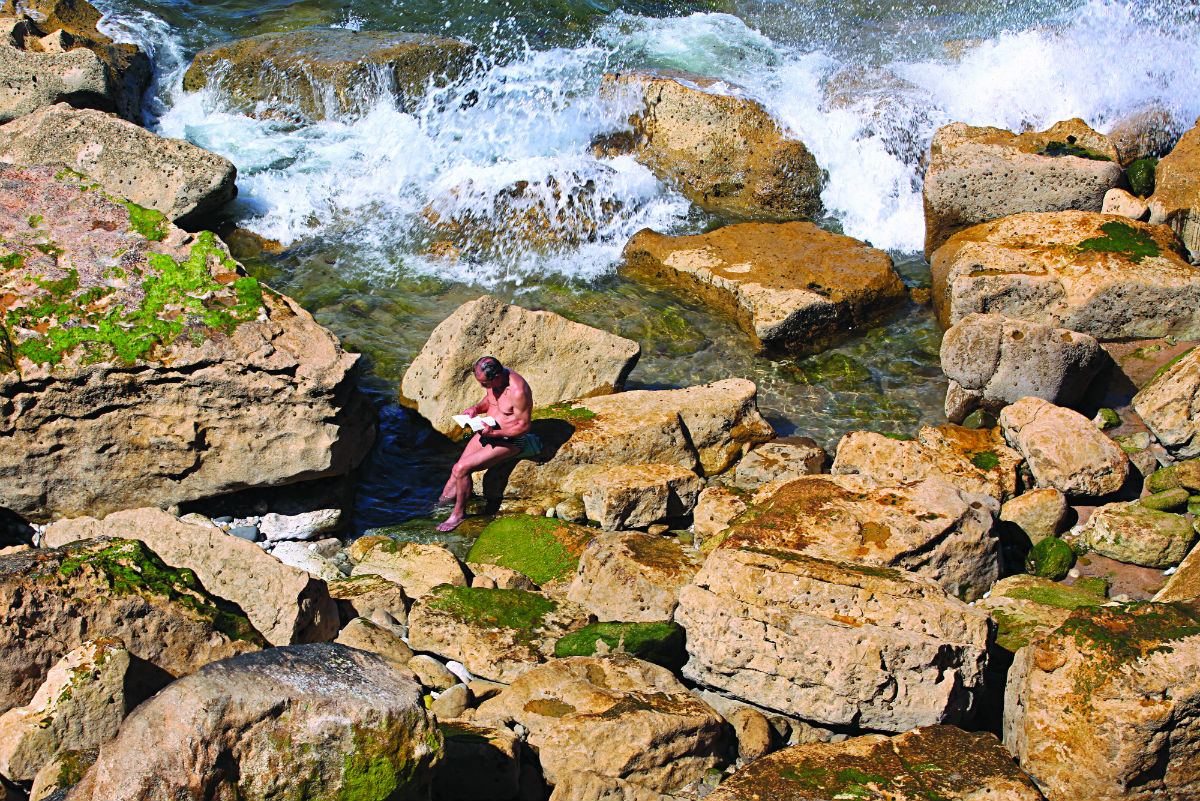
x: 1051, y: 558
x: 1049, y: 593
x: 1141, y: 176
x: 544, y: 549
x: 564, y: 410
x: 986, y: 460
x: 1057, y: 149
x: 380, y: 768
x: 660, y: 642
x: 1123, y: 239
x: 1167, y: 367
x: 510, y: 609
x: 150, y: 223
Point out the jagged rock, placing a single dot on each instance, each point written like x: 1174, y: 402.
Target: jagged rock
x: 543, y: 549
x: 1176, y: 198
x: 186, y: 183
x: 1026, y: 608
x: 364, y: 635
x: 317, y: 721
x: 1184, y: 583
x: 52, y: 601
x: 304, y: 526
x: 1137, y: 535
x: 995, y: 360
x: 417, y: 567
x: 836, y: 644
x: 1105, y: 707
x: 79, y: 706
x: 781, y: 459
x: 614, y: 716
x: 929, y: 762
x: 716, y: 509
x: 327, y: 73
x: 146, y: 369
x: 496, y: 634
x: 1170, y: 404
x: 973, y: 460
x: 61, y: 773
x: 1040, y: 513
x: 637, y: 495
x: 632, y: 577
x: 1064, y: 450
x: 481, y: 763
x: 980, y: 174
x: 1098, y: 274
x: 51, y: 51
x: 560, y: 359
x: 285, y: 604
x: 792, y: 286
x: 723, y: 151
x: 358, y: 596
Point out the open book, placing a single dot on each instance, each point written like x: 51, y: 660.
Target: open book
x: 473, y: 423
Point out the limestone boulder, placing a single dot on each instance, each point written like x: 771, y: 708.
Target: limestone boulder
x: 632, y: 577
x: 79, y: 706
x: 366, y: 636
x: 326, y: 73
x: 61, y: 773
x: 1105, y: 707
x: 790, y: 286
x: 416, y: 567
x: 1170, y: 405
x: 719, y: 148
x: 285, y: 604
x: 359, y: 596
x: 976, y: 175
x: 1040, y: 513
x: 186, y: 183
x: 1137, y: 535
x: 480, y: 763
x: 941, y: 762
x: 1184, y: 583
x: 834, y: 644
x: 496, y: 634
x: 927, y: 527
x: 1027, y: 608
x: 1063, y: 449
x: 975, y: 460
x: 716, y: 509
x: 993, y: 361
x: 614, y: 716
x: 780, y: 459
x: 1098, y: 274
x: 637, y: 495
x: 1176, y: 198
x: 143, y: 367
x: 585, y: 785
x: 316, y: 720
x: 560, y: 359
x: 54, y: 600
x: 52, y: 52
x: 543, y: 549
x: 301, y: 556
x: 1125, y: 204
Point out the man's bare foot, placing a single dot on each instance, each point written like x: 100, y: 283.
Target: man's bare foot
x: 451, y: 523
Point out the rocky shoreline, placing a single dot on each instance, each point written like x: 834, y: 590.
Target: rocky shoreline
x: 670, y: 602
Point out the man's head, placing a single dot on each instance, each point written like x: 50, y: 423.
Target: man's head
x: 488, y: 369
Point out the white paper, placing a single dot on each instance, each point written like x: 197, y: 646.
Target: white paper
x: 473, y: 423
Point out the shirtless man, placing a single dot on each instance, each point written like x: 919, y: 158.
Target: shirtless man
x: 509, y: 402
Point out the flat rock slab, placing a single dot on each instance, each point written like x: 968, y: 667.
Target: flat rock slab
x: 632, y: 577
x: 940, y: 762
x: 1105, y: 707
x: 791, y: 286
x: 1133, y: 533
x: 927, y: 527
x: 980, y: 174
x: 1176, y: 198
x: 415, y: 566
x: 721, y: 149
x: 1169, y: 404
x: 1099, y: 274
x: 1064, y: 450
x: 326, y: 73
x: 835, y: 644
x: 145, y: 368
x: 559, y: 359
x: 788, y: 457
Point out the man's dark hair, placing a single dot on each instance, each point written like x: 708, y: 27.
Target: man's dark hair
x: 490, y: 367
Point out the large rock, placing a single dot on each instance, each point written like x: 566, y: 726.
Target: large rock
x: 284, y: 604
x: 723, y: 151
x: 790, y: 286
x: 618, y: 717
x: 1099, y: 274
x: 1064, y: 450
x: 142, y: 367
x: 716, y: 509
x: 1027, y: 607
x: 637, y: 495
x: 51, y: 52
x: 980, y: 174
x: 924, y: 526
x: 306, y: 721
x: 544, y: 549
x: 560, y: 359
x: 1170, y: 405
x: 1039, y: 513
x: 1184, y: 583
x: 1136, y: 535
x: 786, y: 458
x: 1176, y: 198
x: 1106, y: 707
x: 836, y: 644
x: 632, y: 577
x: 359, y: 596
x: 992, y: 361
x: 931, y: 762
x: 417, y: 567
x: 327, y: 73
x: 186, y: 183
x: 52, y: 601
x: 973, y: 460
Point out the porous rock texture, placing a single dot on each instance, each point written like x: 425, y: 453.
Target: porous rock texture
x: 1176, y: 198
x: 791, y: 286
x: 1135, y: 534
x: 416, y: 567
x: 835, y: 644
x: 719, y: 148
x: 1107, y: 707
x: 140, y: 366
x: 1170, y: 405
x: 632, y: 576
x: 1063, y: 449
x: 980, y: 174
x: 637, y: 495
x: 285, y: 604
x: 559, y: 359
x: 1099, y: 274
x: 316, y: 721
x: 54, y: 600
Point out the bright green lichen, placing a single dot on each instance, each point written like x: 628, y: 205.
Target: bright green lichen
x: 35, y: 220
x: 660, y: 642
x: 1121, y: 238
x: 1056, y: 595
x: 150, y: 223
x: 542, y: 548
x: 511, y: 609
x: 381, y: 768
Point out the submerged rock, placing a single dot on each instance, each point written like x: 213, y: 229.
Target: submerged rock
x: 1170, y: 405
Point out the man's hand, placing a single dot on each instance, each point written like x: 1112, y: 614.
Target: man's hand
x: 487, y: 430
x: 468, y: 412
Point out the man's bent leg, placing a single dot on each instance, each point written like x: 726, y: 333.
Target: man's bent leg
x: 470, y: 462
x: 450, y: 490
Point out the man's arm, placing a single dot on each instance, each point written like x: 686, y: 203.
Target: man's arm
x: 472, y: 411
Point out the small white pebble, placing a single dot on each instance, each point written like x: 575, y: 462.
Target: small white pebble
x: 1073, y: 572
x: 987, y: 595
x: 1169, y: 571
x: 460, y: 670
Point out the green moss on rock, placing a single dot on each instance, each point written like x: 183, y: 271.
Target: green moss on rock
x: 511, y: 609
x: 1141, y: 176
x: 380, y: 766
x: 544, y: 549
x: 1124, y: 239
x: 570, y: 411
x: 661, y: 642
x: 1051, y: 558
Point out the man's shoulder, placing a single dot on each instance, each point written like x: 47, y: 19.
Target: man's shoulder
x: 518, y: 382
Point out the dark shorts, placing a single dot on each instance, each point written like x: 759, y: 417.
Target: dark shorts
x: 527, y: 444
